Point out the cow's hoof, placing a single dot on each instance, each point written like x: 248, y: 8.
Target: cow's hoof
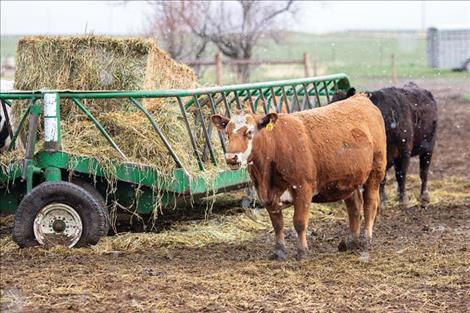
x: 365, y: 244
x: 404, y: 203
x: 279, y: 255
x: 348, y: 245
x: 424, y: 199
x: 301, y: 255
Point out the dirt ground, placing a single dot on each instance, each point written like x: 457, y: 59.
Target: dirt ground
x: 419, y: 262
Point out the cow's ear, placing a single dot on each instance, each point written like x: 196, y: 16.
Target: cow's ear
x: 220, y: 121
x: 351, y: 92
x: 371, y: 96
x: 268, y: 118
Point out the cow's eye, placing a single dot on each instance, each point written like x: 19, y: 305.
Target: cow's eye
x: 249, y: 132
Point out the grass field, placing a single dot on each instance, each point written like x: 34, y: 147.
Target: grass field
x: 361, y: 55
x: 364, y: 56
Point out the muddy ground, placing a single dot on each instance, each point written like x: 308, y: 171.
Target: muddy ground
x: 419, y: 262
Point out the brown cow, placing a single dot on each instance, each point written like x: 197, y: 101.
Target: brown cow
x: 321, y: 155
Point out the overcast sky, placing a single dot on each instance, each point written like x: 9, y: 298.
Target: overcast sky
x: 105, y: 17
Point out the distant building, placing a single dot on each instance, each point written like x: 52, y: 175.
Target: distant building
x: 449, y: 48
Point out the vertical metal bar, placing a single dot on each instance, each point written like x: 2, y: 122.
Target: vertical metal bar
x: 335, y: 85
x: 306, y: 97
x: 206, y: 135
x: 253, y: 109
x: 265, y: 108
x: 20, y: 126
x: 278, y: 109
x: 268, y: 100
x: 317, y: 96
x: 227, y: 106
x: 159, y: 132
x: 28, y: 166
x: 240, y: 107
x: 205, y: 151
x: 221, y: 135
x: 285, y: 100
x: 190, y: 132
x: 325, y: 85
x: 32, y: 130
x: 296, y: 98
x: 281, y: 101
x: 51, y: 122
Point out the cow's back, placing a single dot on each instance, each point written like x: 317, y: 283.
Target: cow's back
x: 338, y: 144
x: 410, y: 116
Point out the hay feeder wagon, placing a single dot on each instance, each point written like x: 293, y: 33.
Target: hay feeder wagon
x: 59, y: 197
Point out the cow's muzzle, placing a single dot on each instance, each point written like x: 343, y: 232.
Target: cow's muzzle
x: 233, y: 161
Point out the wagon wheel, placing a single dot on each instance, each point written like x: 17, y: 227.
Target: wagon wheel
x: 59, y: 213
x: 98, y: 197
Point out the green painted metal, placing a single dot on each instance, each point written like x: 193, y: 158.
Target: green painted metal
x: 135, y: 179
x: 342, y: 78
x: 20, y: 127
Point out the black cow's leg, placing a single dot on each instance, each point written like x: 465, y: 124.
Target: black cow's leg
x: 383, y: 197
x: 382, y: 193
x: 401, y: 167
x: 424, y: 163
x: 278, y: 224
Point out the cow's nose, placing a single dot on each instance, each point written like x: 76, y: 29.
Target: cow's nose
x: 231, y: 157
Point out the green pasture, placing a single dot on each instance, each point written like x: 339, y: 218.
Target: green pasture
x: 361, y: 55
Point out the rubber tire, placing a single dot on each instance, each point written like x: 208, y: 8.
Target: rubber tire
x: 87, y: 207
x: 98, y: 197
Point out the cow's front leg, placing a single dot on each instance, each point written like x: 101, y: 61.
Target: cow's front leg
x: 278, y: 224
x: 302, y: 201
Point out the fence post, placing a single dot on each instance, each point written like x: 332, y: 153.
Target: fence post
x: 394, y: 69
x: 218, y: 68
x: 307, y: 64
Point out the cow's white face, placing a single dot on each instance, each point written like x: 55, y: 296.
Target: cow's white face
x: 240, y: 130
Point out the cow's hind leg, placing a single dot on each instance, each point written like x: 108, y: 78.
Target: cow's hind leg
x: 401, y: 168
x: 371, y: 204
x: 383, y: 197
x: 424, y: 162
x: 302, y: 201
x: 278, y: 224
x: 354, y: 205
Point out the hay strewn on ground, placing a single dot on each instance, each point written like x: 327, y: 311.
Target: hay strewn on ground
x: 419, y: 262
x: 104, y: 63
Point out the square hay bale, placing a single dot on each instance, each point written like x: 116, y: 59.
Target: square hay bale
x: 98, y: 63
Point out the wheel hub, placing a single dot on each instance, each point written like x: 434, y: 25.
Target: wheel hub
x: 58, y: 224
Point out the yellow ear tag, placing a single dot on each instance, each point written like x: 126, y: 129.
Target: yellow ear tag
x: 270, y: 126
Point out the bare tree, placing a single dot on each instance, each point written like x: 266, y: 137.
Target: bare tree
x: 169, y: 24
x: 237, y: 27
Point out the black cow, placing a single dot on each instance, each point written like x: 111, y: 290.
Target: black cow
x: 5, y: 128
x: 410, y: 115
